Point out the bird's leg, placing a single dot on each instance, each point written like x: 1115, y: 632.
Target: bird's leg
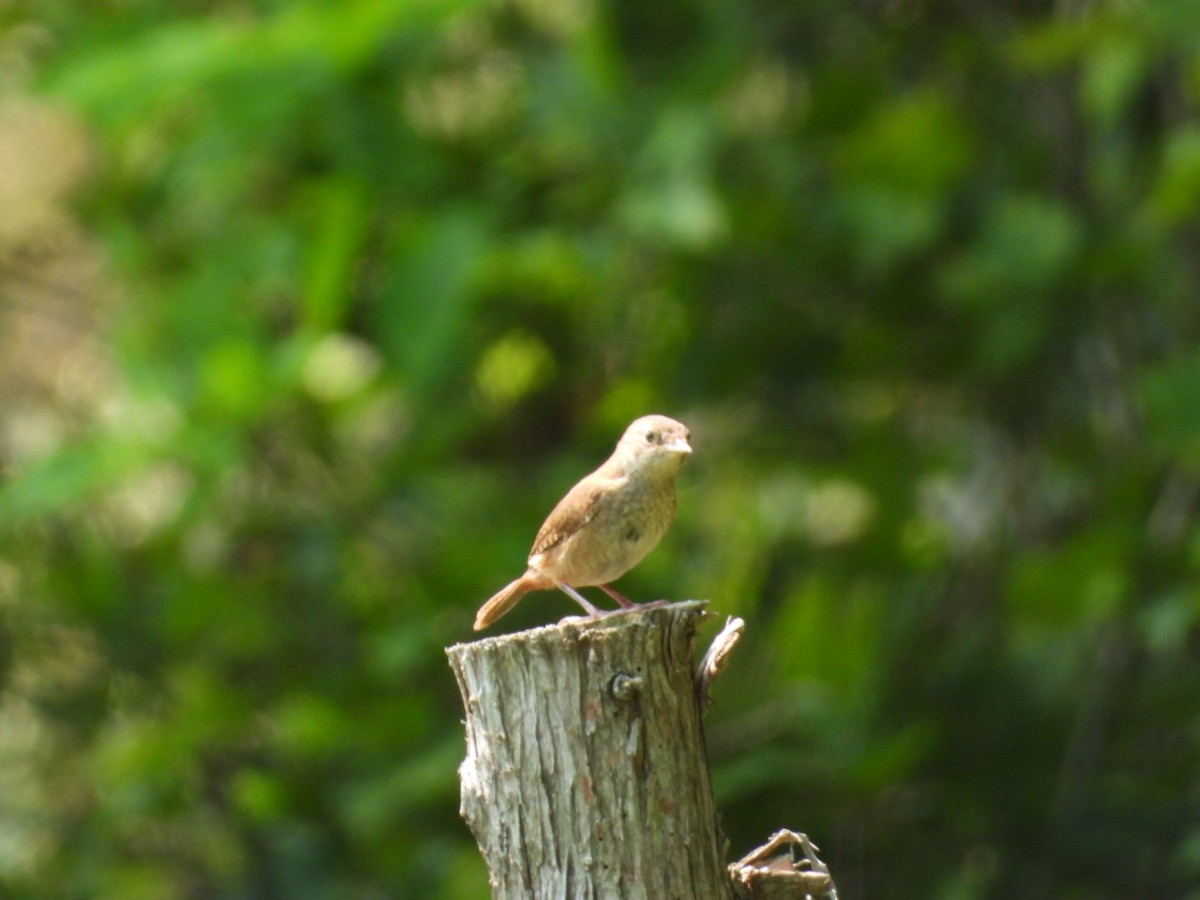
x: 627, y: 605
x: 622, y: 601
x: 580, y: 599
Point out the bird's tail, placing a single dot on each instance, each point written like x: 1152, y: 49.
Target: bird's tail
x: 505, y: 599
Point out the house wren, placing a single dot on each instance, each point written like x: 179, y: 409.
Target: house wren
x: 607, y: 523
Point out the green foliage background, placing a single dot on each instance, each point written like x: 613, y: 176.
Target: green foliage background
x: 309, y: 311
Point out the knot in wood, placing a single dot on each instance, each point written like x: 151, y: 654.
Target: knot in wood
x: 625, y: 687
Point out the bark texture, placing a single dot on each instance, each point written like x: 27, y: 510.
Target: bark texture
x: 586, y: 775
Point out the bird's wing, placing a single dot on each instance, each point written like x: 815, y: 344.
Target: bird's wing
x: 574, y: 511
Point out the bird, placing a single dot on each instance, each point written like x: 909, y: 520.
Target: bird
x: 607, y: 523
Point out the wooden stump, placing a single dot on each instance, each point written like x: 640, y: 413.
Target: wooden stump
x: 586, y: 774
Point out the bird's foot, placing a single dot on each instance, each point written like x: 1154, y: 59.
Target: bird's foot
x: 635, y: 607
x: 626, y: 605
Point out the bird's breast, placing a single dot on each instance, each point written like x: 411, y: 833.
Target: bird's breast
x: 625, y: 528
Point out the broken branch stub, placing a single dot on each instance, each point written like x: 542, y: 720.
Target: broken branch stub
x: 772, y: 871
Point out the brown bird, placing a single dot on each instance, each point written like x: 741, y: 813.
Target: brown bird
x: 607, y: 523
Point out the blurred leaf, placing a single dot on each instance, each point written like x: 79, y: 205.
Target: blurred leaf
x: 914, y: 144
x: 66, y: 478
x: 340, y: 214
x: 428, y: 296
x: 1008, y: 280
x: 368, y: 806
x: 1083, y: 582
x: 260, y: 795
x: 1026, y: 245
x: 1111, y: 76
x: 232, y: 376
x: 309, y: 726
x: 889, y: 224
x: 1176, y: 193
x: 1170, y: 394
x: 819, y: 618
x: 122, y: 82
x: 671, y: 199
x: 511, y: 368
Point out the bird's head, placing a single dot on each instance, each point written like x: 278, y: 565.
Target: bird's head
x: 655, y: 443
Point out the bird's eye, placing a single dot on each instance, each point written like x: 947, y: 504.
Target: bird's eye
x: 651, y: 437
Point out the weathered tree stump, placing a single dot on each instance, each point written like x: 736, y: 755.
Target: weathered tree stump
x: 586, y: 776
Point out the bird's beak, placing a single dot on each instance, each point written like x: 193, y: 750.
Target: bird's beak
x: 678, y: 446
